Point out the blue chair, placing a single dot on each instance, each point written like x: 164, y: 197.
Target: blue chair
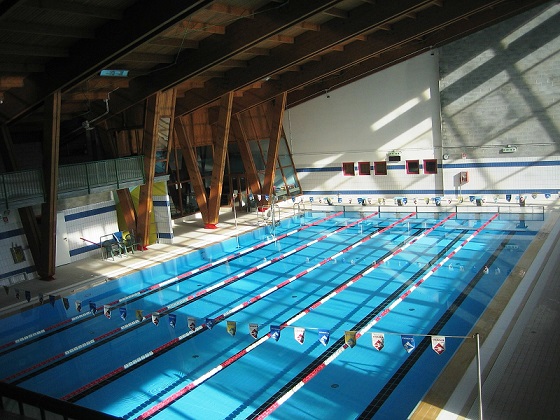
x: 118, y: 237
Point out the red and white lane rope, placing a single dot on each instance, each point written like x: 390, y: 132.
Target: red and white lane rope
x: 199, y: 294
x: 174, y: 397
x: 271, y: 408
x: 177, y: 303
x: 168, y: 282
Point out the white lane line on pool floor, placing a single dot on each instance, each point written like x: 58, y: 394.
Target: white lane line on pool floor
x: 202, y: 293
x: 174, y: 397
x: 168, y: 282
x: 272, y: 407
x: 183, y: 301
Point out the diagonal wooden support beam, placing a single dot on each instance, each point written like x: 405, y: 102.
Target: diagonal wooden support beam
x: 246, y: 155
x: 219, y: 159
x: 278, y: 107
x: 184, y: 134
x: 145, y: 203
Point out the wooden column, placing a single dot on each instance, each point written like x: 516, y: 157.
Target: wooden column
x: 246, y: 155
x: 185, y: 136
x: 278, y: 106
x: 51, y: 145
x: 145, y: 203
x: 219, y: 159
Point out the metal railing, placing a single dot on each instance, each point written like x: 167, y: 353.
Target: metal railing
x: 26, y: 188
x: 21, y: 188
x: 32, y: 405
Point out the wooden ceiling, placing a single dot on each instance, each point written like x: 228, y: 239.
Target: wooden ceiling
x: 256, y: 48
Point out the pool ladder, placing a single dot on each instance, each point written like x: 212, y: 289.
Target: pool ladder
x: 299, y: 206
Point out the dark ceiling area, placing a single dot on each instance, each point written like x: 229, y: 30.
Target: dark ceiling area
x: 106, y: 56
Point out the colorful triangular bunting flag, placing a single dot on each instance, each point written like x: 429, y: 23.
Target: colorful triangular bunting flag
x: 378, y: 341
x: 408, y: 343
x: 254, y: 330
x: 231, y: 328
x: 324, y: 336
x: 350, y: 338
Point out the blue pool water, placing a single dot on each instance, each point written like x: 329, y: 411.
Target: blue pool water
x: 135, y: 369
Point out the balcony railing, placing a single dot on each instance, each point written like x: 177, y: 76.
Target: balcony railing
x: 26, y: 188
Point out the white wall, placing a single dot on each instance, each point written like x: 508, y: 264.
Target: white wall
x: 396, y: 109
x: 497, y: 87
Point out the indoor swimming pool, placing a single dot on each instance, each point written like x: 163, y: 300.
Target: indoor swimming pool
x: 326, y: 316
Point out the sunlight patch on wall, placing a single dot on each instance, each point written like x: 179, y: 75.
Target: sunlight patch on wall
x: 481, y: 91
x: 411, y: 136
x: 393, y: 115
x: 469, y: 67
x: 531, y: 25
x: 538, y: 57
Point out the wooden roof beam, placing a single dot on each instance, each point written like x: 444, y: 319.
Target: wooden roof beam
x: 309, y: 26
x: 9, y: 82
x: 282, y: 39
x: 335, y: 12
x: 113, y: 39
x: 165, y: 41
x: 231, y: 10
x: 202, y: 27
x: 148, y: 58
x: 243, y: 35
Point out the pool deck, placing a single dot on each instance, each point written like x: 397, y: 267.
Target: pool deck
x: 519, y: 332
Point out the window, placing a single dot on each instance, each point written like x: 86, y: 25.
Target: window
x: 412, y: 167
x: 430, y: 166
x: 348, y: 168
x: 364, y: 168
x: 380, y: 168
